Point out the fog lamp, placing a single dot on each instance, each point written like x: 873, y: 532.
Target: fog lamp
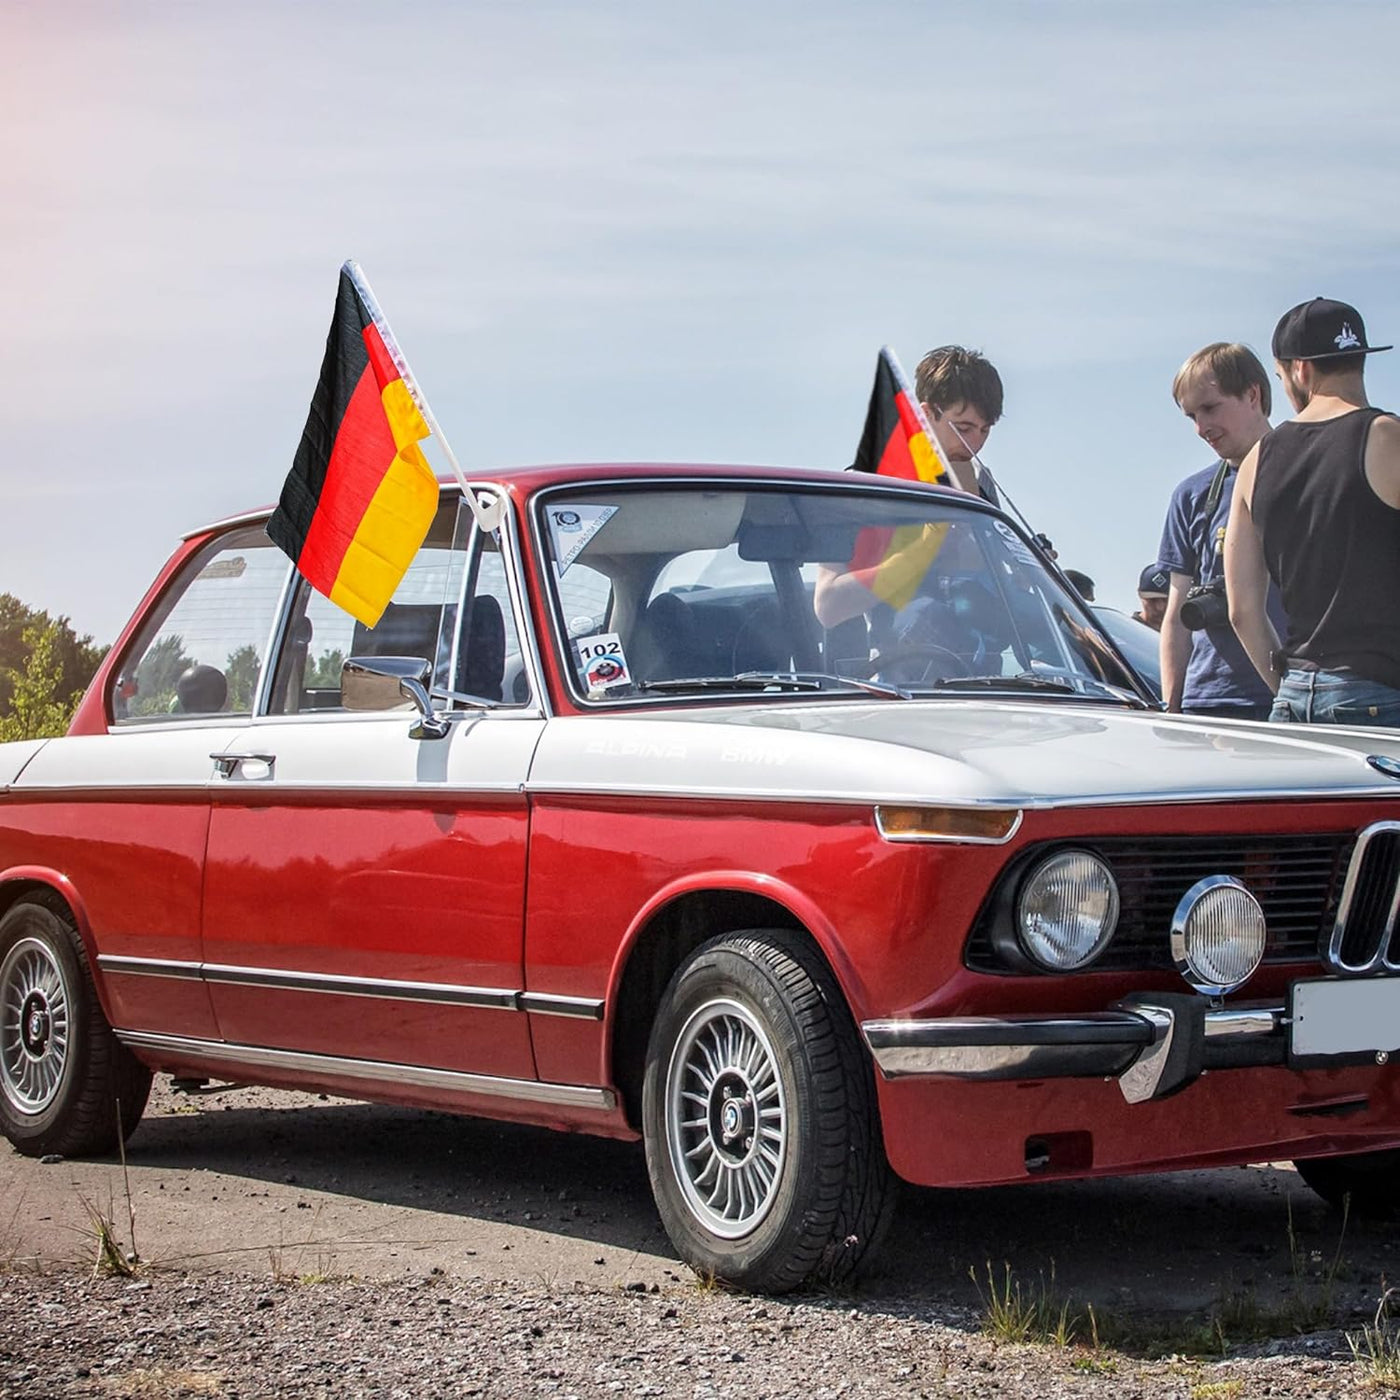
x: 1218, y: 934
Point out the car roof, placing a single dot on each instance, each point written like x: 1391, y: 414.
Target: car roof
x: 527, y: 480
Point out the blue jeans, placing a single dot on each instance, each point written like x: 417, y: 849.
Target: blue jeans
x: 1335, y: 697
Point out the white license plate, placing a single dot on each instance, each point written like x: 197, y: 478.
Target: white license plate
x: 1347, y: 1017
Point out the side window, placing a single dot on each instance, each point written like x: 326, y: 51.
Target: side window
x: 481, y: 661
x: 489, y: 663
x: 202, y: 654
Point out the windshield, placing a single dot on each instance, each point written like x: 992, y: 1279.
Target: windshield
x: 667, y: 590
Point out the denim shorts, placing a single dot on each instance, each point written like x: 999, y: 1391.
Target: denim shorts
x: 1335, y: 697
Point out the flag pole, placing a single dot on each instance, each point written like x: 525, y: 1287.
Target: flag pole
x: 488, y: 515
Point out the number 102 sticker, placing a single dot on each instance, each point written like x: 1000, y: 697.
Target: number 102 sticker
x: 603, y: 661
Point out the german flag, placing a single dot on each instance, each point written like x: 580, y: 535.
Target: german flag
x: 894, y: 442
x: 360, y: 496
x: 892, y: 563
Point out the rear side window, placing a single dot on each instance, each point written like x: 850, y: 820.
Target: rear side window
x: 202, y: 653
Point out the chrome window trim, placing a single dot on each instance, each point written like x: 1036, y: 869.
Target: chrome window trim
x: 1334, y: 944
x: 540, y: 500
x: 393, y: 1076
x: 512, y: 558
x: 334, y: 984
x: 263, y: 697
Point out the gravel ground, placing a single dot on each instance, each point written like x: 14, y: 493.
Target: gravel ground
x: 185, y: 1334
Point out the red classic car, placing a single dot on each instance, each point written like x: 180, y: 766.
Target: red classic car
x: 804, y: 825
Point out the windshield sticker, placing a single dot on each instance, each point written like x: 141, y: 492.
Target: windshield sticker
x: 571, y: 528
x: 1016, y: 546
x: 603, y: 662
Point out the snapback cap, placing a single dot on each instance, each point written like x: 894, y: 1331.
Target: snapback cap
x: 1154, y: 582
x: 1321, y: 329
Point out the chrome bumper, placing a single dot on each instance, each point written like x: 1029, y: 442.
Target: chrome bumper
x: 1152, y: 1045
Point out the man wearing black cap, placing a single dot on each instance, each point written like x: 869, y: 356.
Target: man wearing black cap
x: 1153, y: 585
x: 1317, y: 509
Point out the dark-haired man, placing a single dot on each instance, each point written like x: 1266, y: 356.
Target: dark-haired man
x: 1318, y: 511
x: 1224, y: 391
x: 961, y: 392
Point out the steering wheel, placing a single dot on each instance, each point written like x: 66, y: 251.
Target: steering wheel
x: 901, y: 664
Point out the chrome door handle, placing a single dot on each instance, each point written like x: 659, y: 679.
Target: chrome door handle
x: 227, y: 764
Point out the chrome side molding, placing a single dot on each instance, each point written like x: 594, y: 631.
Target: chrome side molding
x: 220, y: 1053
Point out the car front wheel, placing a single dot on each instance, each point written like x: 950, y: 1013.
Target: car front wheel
x: 66, y: 1084
x: 762, y: 1139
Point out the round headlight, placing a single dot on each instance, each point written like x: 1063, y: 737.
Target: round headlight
x: 1067, y: 910
x: 1217, y: 935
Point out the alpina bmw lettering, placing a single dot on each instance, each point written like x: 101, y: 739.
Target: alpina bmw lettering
x: 803, y: 826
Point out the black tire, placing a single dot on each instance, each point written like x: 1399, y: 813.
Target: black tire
x: 753, y: 1023
x: 1371, y: 1179
x: 62, y: 1071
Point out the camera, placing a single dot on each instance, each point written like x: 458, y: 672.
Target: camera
x: 1205, y: 606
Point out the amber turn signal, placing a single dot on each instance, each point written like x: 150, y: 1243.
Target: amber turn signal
x: 992, y: 825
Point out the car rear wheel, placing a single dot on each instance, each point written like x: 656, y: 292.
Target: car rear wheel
x: 1370, y: 1179
x: 66, y: 1084
x: 758, y: 1108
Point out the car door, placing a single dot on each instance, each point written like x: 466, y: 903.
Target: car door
x: 364, y: 889
x: 123, y: 816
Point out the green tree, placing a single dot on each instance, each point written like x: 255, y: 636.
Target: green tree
x: 39, y: 707
x: 76, y: 657
x: 242, y: 670
x: 324, y: 672
x: 156, y: 674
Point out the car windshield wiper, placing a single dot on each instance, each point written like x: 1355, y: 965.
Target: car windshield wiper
x: 777, y: 680
x: 682, y: 684
x: 1056, y: 685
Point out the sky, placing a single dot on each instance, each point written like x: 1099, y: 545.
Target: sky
x: 624, y: 231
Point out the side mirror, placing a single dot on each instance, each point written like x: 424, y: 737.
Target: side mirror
x: 385, y: 682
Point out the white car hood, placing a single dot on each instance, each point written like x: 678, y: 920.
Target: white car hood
x: 974, y: 751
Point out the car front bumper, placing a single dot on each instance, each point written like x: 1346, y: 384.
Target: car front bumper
x: 1152, y: 1045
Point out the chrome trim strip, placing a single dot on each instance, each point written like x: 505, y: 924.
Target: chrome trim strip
x: 545, y: 1004
x: 428, y: 790
x: 149, y: 967
x: 1023, y: 801
x: 432, y: 993
x: 1334, y: 944
x: 229, y: 522
x: 440, y: 993
x: 909, y: 838
x: 372, y: 1071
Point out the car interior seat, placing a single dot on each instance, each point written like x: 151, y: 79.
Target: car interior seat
x: 665, y: 644
x: 481, y: 666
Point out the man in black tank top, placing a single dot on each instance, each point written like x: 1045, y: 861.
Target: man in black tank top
x: 1317, y: 509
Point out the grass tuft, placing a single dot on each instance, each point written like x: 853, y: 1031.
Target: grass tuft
x: 1376, y: 1348
x: 1013, y: 1313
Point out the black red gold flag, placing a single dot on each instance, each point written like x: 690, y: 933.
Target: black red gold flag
x: 894, y: 442
x: 358, y: 501
x: 892, y: 562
